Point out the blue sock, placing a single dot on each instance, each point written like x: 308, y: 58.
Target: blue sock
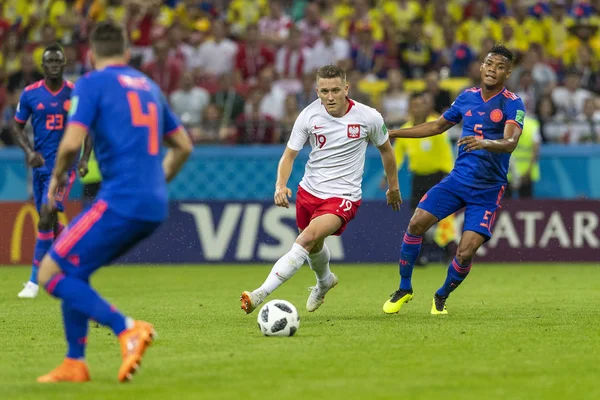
x: 411, y: 247
x: 42, y: 245
x: 80, y: 296
x: 456, y: 274
x: 76, y: 329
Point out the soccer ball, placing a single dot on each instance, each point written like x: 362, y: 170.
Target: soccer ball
x: 278, y: 318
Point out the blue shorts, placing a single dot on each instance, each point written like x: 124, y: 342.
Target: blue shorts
x: 41, y: 182
x: 95, y: 238
x: 449, y: 196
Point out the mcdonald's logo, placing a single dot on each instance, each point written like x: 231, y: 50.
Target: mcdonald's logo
x: 19, y: 252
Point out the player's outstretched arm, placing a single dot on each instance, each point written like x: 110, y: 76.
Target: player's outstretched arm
x: 34, y: 159
x: 507, y: 144
x: 180, y: 147
x: 88, y: 146
x: 388, y: 159
x: 426, y: 129
x: 284, y: 170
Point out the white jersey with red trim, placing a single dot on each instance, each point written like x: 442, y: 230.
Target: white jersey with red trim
x: 336, y: 163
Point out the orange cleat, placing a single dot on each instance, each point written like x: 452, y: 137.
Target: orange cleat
x: 134, y: 342
x: 69, y: 371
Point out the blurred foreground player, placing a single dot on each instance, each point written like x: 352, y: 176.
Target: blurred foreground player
x: 128, y: 118
x: 46, y: 102
x: 493, y: 120
x: 329, y: 194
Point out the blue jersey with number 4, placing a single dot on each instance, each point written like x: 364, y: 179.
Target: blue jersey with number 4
x: 128, y: 118
x: 48, y: 112
x: 483, y: 169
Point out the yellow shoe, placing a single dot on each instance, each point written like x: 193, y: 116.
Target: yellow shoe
x: 399, y: 297
x: 438, y: 306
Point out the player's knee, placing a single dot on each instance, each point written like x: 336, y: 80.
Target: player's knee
x: 308, y: 239
x: 47, y: 220
x: 417, y: 225
x: 48, y: 268
x: 465, y: 253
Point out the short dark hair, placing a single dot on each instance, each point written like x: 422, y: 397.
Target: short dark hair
x: 502, y: 50
x: 331, y: 71
x: 108, y: 39
x: 54, y: 47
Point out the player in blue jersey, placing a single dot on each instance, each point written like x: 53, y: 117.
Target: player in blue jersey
x: 492, y: 123
x: 47, y: 103
x: 128, y: 118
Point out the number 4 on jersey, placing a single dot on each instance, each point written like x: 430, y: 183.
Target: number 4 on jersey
x: 141, y: 120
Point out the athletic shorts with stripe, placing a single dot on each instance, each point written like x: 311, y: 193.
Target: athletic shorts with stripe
x: 97, y: 237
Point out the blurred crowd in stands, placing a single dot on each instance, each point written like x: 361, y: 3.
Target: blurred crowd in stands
x: 240, y: 71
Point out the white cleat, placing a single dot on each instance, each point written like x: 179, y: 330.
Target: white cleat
x: 251, y: 300
x: 30, y: 291
x: 317, y: 294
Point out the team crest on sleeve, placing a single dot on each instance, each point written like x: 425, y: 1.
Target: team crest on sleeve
x: 520, y: 116
x: 496, y: 115
x: 73, y: 105
x: 67, y: 105
x: 353, y: 131
x: 384, y: 129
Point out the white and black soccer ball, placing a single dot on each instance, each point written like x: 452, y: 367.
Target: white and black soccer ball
x: 278, y: 318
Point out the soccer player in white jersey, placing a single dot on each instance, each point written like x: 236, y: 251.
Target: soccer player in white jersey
x: 329, y: 194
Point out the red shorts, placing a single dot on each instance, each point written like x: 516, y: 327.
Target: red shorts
x: 309, y: 207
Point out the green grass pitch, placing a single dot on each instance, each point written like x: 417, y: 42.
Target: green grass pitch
x: 514, y: 332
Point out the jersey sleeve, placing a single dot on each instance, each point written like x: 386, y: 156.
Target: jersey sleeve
x: 300, y: 132
x: 454, y: 113
x: 23, y: 109
x: 515, y: 113
x: 378, y: 133
x: 85, y: 103
x: 170, y: 121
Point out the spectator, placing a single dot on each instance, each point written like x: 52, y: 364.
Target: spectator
x: 275, y: 27
x: 290, y: 114
x: 216, y: 56
x: 11, y: 53
x: 272, y: 97
x: 478, y: 26
x: 228, y: 100
x: 415, y: 55
x: 308, y: 94
x: 586, y: 128
x: 189, y: 102
x: 25, y: 76
x: 212, y: 129
x: 291, y: 63
x: 48, y: 38
x: 164, y: 70
x: 330, y: 49
x: 252, y: 56
x: 74, y: 68
x: 253, y: 126
x: 441, y: 97
x: 310, y: 26
x: 395, y: 101
x: 552, y: 127
x: 367, y: 55
x: 569, y: 99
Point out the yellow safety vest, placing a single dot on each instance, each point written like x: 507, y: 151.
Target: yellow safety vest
x: 521, y: 156
x: 426, y: 156
x: 93, y: 175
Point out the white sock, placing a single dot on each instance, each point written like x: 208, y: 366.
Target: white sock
x: 284, y: 268
x: 319, y: 262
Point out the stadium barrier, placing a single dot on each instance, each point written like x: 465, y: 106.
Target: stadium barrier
x: 248, y: 173
x: 258, y: 231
